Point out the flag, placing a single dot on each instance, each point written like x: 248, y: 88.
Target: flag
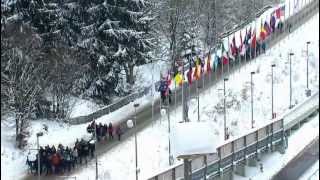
x: 163, y: 86
x: 168, y: 79
x: 202, y: 65
x: 234, y: 47
x: 216, y: 61
x: 263, y: 32
x: 249, y: 33
x: 208, y: 64
x: 243, y: 50
x: 241, y: 42
x: 282, y: 10
x: 197, y: 71
x: 254, y: 40
x: 225, y: 58
x: 273, y: 23
x: 267, y: 28
x: 278, y: 13
x: 178, y: 79
x: 231, y: 53
x: 246, y: 37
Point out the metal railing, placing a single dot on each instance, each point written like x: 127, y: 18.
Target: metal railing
x: 254, y: 142
x: 239, y: 149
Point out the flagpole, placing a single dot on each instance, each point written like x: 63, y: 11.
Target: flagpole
x: 209, y: 74
x: 255, y: 28
x: 203, y: 76
x: 222, y: 60
x: 175, y: 98
x: 228, y: 54
x: 152, y: 92
x: 160, y: 96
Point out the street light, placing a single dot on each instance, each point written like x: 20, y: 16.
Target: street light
x: 95, y: 147
x: 272, y: 66
x: 224, y: 108
x: 38, y: 135
x: 198, y: 101
x: 308, y: 91
x: 252, y: 73
x: 130, y: 125
x: 163, y: 113
x: 290, y: 54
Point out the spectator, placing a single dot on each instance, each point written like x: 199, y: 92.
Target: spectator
x: 118, y: 132
x: 110, y: 130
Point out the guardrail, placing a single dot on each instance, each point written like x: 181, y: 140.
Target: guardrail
x: 127, y: 99
x: 239, y: 149
x: 110, y: 108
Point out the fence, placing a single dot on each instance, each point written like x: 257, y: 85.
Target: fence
x: 239, y: 149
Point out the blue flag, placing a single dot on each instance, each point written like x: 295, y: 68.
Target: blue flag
x: 216, y: 61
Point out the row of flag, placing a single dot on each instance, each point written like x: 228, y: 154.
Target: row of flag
x: 205, y: 64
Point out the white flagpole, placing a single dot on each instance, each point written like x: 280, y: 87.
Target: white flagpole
x: 228, y: 54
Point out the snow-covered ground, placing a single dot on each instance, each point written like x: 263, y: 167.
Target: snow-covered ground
x: 118, y: 163
x: 81, y: 107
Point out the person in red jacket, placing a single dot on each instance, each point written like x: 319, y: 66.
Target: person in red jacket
x: 55, y: 160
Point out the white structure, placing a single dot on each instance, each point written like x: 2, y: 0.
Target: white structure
x: 193, y: 138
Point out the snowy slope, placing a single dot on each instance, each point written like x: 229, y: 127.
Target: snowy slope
x: 153, y: 141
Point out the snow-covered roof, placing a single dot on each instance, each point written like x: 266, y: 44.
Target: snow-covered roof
x: 192, y: 138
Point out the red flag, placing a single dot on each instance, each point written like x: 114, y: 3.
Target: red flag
x: 241, y: 42
x: 278, y: 13
x: 208, y: 64
x: 197, y: 72
x: 254, y: 40
x: 168, y: 79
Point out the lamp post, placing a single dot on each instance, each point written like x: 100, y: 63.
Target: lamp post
x: 290, y: 54
x: 252, y: 73
x: 272, y: 66
x: 38, y: 135
x: 198, y: 99
x: 95, y: 147
x: 308, y: 92
x: 131, y: 124
x: 163, y: 113
x: 224, y: 108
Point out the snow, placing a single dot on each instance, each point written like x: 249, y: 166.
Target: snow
x: 153, y: 140
x: 81, y: 107
x: 119, y: 162
x: 308, y: 132
x: 192, y: 138
x: 312, y: 173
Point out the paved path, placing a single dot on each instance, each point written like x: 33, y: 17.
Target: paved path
x: 301, y: 163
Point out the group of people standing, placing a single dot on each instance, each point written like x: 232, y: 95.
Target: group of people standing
x: 62, y: 159
x: 103, y: 129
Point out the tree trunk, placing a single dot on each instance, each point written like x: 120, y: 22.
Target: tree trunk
x: 17, y: 127
x: 130, y: 75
